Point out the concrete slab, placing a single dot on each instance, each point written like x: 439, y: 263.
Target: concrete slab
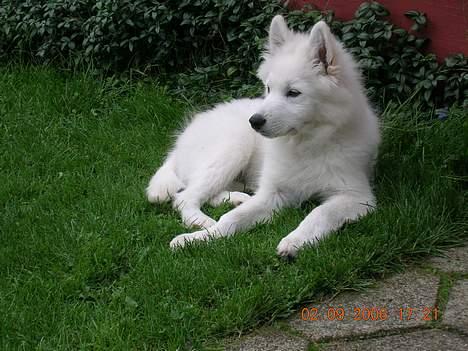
x: 269, y: 340
x: 404, y: 300
x: 456, y: 312
x: 424, y: 340
x: 455, y: 260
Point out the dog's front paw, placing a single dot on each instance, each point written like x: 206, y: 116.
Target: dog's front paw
x: 181, y: 240
x: 290, y: 245
x: 287, y: 247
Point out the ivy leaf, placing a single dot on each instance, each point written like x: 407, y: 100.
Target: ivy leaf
x: 348, y: 36
x: 231, y: 70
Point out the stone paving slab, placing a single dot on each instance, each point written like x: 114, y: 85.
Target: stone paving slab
x: 455, y: 260
x: 411, y: 290
x: 456, y: 312
x: 268, y: 340
x: 424, y: 340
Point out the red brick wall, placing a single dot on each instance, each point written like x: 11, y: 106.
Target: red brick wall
x: 447, y: 19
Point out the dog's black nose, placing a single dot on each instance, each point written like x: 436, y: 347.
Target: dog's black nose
x: 257, y: 121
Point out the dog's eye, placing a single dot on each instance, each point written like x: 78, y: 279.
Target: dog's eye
x: 293, y: 93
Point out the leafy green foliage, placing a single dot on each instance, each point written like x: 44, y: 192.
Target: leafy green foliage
x: 394, y: 62
x: 164, y: 35
x: 217, y: 43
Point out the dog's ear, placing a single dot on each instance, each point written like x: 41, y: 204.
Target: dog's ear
x: 323, y: 44
x: 279, y: 32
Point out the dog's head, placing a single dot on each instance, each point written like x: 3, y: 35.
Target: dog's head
x: 301, y: 75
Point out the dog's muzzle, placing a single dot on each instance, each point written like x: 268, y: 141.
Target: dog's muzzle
x: 257, y: 121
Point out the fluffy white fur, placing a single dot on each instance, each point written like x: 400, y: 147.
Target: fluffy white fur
x: 319, y: 139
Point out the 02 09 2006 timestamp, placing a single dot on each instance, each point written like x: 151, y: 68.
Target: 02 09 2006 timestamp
x: 369, y: 313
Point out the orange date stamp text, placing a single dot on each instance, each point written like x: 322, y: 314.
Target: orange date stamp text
x: 365, y: 313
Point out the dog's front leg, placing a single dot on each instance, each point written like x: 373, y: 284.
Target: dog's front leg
x: 257, y: 209
x: 327, y: 217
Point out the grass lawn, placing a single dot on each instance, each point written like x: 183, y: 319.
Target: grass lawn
x: 84, y: 258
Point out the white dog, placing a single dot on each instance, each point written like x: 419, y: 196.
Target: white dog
x: 312, y: 135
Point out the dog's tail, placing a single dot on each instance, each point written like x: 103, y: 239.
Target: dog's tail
x: 165, y: 183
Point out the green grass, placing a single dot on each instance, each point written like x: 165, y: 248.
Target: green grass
x: 84, y: 259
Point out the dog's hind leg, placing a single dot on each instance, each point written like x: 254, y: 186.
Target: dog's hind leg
x: 165, y: 183
x: 209, y: 183
x: 188, y: 202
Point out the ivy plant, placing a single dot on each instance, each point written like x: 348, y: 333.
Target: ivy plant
x: 218, y: 43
